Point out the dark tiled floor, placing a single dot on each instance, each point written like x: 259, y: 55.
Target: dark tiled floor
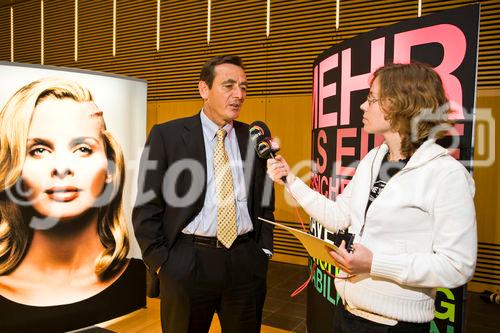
x: 481, y: 316
x: 282, y: 311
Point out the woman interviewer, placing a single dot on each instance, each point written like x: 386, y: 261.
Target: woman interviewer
x: 409, y: 203
x: 63, y: 239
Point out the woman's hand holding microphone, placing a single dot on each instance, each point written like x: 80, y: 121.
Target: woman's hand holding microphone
x: 277, y: 168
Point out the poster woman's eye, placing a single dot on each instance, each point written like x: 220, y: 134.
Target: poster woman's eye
x: 38, y: 152
x: 84, y: 150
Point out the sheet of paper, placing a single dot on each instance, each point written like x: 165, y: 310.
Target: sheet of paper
x: 314, y: 246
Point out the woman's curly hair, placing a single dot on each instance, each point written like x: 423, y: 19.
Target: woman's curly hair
x: 415, y: 103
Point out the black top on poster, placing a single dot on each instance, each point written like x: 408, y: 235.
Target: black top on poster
x: 125, y: 295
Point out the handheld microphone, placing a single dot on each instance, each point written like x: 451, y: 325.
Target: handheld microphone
x: 264, y: 148
x: 261, y: 137
x: 258, y: 130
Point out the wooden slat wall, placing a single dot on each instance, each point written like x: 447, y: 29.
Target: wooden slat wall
x: 280, y: 64
x: 284, y: 244
x: 59, y: 32
x: 488, y: 265
x: 299, y: 33
x: 27, y: 32
x: 359, y: 16
x: 5, y: 33
x: 182, y: 49
x: 240, y: 28
x: 95, y: 35
x: 136, y: 38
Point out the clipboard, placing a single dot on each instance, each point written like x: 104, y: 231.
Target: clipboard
x: 314, y: 246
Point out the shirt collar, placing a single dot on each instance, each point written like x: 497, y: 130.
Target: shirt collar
x: 210, y: 128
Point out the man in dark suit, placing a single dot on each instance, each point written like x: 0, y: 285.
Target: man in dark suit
x: 181, y: 220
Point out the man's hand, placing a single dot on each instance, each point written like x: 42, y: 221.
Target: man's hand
x: 356, y: 262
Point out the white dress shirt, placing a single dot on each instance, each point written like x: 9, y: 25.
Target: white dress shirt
x: 205, y: 223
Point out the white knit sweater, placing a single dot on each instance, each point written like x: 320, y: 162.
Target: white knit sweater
x: 421, y: 230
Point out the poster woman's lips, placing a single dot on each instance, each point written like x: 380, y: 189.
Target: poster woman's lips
x: 63, y: 193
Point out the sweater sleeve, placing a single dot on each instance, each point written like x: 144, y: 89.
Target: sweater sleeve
x: 454, y: 248
x: 333, y: 215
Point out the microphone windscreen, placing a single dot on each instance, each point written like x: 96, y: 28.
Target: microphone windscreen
x: 257, y: 130
x: 263, y: 148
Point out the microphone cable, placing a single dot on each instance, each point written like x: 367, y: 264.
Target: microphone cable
x: 260, y: 135
x: 304, y: 285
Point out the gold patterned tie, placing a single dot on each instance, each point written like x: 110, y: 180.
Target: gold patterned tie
x: 226, y: 208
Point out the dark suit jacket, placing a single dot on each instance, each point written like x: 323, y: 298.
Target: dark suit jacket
x: 158, y: 222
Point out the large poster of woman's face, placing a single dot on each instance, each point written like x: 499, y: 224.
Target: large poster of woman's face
x: 68, y: 139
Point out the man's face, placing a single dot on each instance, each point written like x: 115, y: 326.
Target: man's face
x: 223, y: 102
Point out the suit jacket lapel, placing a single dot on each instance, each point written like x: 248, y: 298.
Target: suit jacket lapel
x: 193, y: 140
x: 195, y: 147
